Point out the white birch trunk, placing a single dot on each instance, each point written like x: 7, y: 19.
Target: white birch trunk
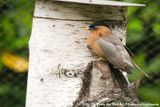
x: 60, y: 70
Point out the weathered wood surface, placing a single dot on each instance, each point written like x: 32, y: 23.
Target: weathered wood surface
x: 102, y: 2
x: 79, y: 12
x: 60, y: 70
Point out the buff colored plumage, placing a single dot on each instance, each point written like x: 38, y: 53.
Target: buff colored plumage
x: 101, y: 31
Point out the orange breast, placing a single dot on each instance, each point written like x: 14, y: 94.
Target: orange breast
x: 93, y: 37
x: 92, y: 43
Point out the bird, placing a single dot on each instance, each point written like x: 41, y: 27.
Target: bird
x: 109, y: 47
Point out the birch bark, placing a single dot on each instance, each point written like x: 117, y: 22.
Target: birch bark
x: 61, y: 71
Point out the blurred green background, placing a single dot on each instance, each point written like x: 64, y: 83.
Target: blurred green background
x: 15, y: 28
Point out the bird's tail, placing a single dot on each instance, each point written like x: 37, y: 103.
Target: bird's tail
x: 136, y: 66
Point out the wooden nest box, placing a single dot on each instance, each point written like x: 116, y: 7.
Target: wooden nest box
x: 59, y: 55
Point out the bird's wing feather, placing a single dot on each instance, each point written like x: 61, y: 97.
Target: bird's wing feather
x: 129, y: 51
x: 115, y: 52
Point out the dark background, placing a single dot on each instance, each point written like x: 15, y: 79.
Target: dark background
x: 15, y: 28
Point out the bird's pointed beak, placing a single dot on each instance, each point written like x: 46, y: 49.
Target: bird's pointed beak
x: 85, y: 28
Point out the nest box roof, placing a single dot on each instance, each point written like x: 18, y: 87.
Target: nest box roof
x: 102, y: 2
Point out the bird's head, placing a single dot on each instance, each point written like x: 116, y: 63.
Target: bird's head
x: 92, y: 26
x: 95, y: 24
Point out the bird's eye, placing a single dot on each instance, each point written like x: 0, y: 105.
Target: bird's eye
x: 91, y: 27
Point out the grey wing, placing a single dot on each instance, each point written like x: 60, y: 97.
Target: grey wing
x: 129, y: 51
x: 115, y: 52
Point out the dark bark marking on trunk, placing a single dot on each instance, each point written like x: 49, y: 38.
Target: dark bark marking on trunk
x: 86, y: 81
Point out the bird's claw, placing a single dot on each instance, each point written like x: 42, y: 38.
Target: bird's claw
x: 99, y: 59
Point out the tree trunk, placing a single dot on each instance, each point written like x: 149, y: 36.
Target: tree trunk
x: 62, y: 72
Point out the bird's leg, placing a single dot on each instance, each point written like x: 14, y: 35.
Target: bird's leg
x: 99, y: 59
x: 102, y: 59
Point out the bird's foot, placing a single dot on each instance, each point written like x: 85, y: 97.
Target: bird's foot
x: 99, y: 59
